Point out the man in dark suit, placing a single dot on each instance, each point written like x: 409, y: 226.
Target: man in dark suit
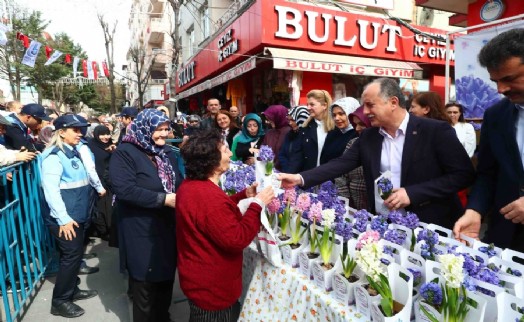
x: 499, y: 188
x: 428, y: 163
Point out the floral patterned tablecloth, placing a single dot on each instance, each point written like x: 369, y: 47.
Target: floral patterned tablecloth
x: 272, y: 294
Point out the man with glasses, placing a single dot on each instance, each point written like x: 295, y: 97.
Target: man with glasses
x: 29, y: 118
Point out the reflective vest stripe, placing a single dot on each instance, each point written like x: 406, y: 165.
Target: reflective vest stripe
x: 73, y: 185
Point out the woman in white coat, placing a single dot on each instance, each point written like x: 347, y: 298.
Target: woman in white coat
x: 465, y: 131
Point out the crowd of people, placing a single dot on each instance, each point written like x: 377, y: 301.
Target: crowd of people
x: 122, y: 181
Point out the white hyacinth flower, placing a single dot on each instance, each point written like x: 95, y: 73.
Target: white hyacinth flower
x: 452, y: 269
x: 328, y: 218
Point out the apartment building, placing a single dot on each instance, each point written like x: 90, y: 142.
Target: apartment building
x: 150, y: 51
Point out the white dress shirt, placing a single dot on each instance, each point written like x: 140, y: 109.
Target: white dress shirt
x: 321, y: 139
x: 392, y: 148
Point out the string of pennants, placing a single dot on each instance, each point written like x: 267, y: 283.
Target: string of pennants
x: 91, y: 69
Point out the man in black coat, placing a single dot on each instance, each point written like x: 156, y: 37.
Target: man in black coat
x: 499, y: 188
x: 428, y: 163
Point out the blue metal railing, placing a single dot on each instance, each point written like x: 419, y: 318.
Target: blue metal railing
x: 26, y: 247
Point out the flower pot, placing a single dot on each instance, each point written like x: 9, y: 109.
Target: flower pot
x: 363, y: 300
x: 416, y: 297
x: 290, y: 254
x: 344, y: 289
x: 322, y: 275
x: 419, y: 314
x: 399, y: 311
x: 305, y: 258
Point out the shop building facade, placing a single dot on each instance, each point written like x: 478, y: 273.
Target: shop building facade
x: 276, y: 51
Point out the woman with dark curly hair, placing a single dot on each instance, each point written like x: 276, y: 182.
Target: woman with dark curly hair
x: 212, y: 235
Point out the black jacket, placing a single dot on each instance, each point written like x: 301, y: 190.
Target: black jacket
x: 500, y: 175
x: 435, y: 166
x: 146, y: 228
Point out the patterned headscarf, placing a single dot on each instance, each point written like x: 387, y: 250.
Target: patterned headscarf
x: 140, y: 133
x: 245, y: 137
x: 300, y: 114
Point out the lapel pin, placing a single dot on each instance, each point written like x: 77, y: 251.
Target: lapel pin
x: 414, y: 132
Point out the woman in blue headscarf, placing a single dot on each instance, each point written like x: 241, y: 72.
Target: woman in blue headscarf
x: 249, y: 141
x: 144, y: 174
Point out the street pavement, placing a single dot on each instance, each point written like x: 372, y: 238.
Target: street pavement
x: 111, y: 304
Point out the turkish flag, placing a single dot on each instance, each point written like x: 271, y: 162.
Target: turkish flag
x: 68, y: 58
x: 48, y: 51
x: 106, y: 70
x: 84, y: 67
x: 95, y: 70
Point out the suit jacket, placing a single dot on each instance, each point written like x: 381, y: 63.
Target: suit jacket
x: 500, y: 174
x: 305, y: 150
x: 435, y: 167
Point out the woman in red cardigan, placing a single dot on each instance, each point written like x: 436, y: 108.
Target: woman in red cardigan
x: 211, y: 231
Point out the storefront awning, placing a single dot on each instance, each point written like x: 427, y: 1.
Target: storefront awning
x: 232, y: 73
x: 351, y: 65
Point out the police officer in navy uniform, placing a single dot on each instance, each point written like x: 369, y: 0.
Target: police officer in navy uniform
x: 29, y: 118
x: 66, y: 189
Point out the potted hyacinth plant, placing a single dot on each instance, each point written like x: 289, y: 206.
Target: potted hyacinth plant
x: 272, y: 211
x: 368, y: 256
x: 326, y: 240
x: 284, y: 218
x: 266, y: 155
x: 309, y: 253
x: 447, y: 302
x: 323, y: 269
x: 409, y: 220
x: 345, y: 281
x: 238, y: 177
x: 385, y: 188
x: 292, y: 247
x: 301, y: 204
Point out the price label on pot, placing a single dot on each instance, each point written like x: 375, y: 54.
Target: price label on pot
x: 303, y: 261
x: 286, y: 254
x: 318, y: 275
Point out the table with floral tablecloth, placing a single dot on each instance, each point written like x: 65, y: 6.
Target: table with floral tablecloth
x: 273, y: 294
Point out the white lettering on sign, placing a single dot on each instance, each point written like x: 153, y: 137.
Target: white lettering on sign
x: 187, y: 74
x: 350, y: 69
x: 227, y: 46
x: 289, y: 26
x: 432, y: 52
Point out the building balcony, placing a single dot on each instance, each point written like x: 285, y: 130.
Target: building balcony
x: 157, y: 7
x: 455, y: 6
x: 157, y: 31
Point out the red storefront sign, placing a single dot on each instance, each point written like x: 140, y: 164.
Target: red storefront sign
x: 276, y: 23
